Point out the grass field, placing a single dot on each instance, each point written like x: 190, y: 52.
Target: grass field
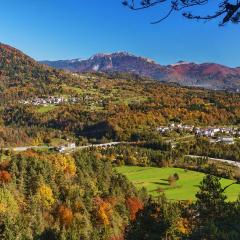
x: 45, y: 109
x: 185, y: 189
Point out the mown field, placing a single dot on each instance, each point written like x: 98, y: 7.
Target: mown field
x: 185, y: 188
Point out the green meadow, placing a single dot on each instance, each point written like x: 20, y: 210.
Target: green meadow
x: 155, y: 180
x: 45, y: 109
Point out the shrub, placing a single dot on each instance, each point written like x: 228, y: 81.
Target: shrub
x: 171, y: 180
x: 176, y: 176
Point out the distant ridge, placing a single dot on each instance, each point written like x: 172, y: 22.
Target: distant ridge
x: 208, y: 75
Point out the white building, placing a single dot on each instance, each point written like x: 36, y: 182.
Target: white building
x: 61, y: 149
x: 226, y: 140
x: 71, y: 145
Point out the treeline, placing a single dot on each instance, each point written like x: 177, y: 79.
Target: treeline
x: 13, y: 136
x: 202, y: 147
x: 137, y: 156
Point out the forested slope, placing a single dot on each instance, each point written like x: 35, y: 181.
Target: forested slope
x: 112, y: 106
x: 52, y: 196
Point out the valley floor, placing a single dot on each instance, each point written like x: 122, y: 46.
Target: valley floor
x: 155, y: 180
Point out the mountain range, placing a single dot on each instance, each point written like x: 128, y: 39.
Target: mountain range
x: 208, y: 75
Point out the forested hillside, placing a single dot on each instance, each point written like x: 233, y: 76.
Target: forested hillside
x: 22, y: 76
x: 49, y: 194
x: 115, y: 106
x: 52, y: 196
x: 46, y: 195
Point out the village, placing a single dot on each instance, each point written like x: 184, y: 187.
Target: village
x: 215, y: 134
x: 53, y: 100
x: 56, y: 100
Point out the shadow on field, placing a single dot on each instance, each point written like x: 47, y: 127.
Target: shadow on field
x: 160, y: 183
x: 163, y: 179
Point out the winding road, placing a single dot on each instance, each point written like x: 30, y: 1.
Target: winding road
x: 102, y: 145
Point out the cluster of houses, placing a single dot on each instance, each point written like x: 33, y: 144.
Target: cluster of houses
x: 53, y: 100
x: 63, y: 148
x: 213, y: 131
x: 221, y: 134
x: 175, y: 127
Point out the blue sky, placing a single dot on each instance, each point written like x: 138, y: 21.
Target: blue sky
x: 66, y: 29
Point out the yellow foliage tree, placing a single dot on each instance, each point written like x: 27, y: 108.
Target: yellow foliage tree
x: 64, y: 163
x: 184, y: 226
x: 45, y: 195
x: 3, y: 208
x: 8, y: 203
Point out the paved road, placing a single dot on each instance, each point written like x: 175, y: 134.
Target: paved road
x: 102, y: 145
x: 234, y: 163
x: 21, y: 149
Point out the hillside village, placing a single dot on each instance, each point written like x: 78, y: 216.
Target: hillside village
x: 215, y: 134
x: 53, y: 100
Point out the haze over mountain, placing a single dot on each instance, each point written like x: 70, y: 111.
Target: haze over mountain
x: 209, y: 75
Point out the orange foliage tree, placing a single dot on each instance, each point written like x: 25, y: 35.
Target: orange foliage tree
x: 65, y: 215
x: 104, y: 211
x: 134, y: 205
x: 5, y: 176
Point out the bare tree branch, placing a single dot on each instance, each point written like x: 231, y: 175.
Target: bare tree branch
x: 229, y: 10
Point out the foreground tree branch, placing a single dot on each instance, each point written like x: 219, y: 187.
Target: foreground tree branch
x: 228, y: 10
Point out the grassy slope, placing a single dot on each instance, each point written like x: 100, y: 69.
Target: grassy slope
x: 153, y: 178
x: 46, y: 109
